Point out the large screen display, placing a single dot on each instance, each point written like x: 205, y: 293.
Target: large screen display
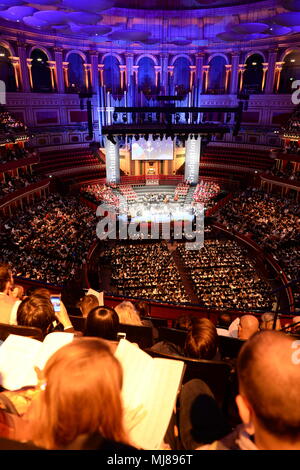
x: 150, y: 149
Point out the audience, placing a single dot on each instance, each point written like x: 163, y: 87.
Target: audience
x: 87, y: 303
x: 248, y: 326
x: 202, y: 340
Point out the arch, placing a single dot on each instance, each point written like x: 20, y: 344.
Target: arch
x: 111, y: 73
x: 186, y: 56
x: 287, y: 52
x: 290, y: 71
x: 253, y: 75
x: 117, y: 56
x: 250, y: 53
x: 218, y: 54
x: 43, y: 49
x: 7, y: 74
x: 146, y: 74
x: 76, y: 72
x: 150, y: 56
x: 9, y: 47
x: 217, y: 74
x: 76, y: 51
x: 41, y: 75
x: 181, y: 74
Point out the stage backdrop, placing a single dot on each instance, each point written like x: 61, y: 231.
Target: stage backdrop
x: 192, y: 159
x: 112, y: 162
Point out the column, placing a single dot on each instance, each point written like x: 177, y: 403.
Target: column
x: 227, y: 77
x: 205, y: 69
x: 123, y: 81
x: 242, y: 68
x: 135, y: 69
x: 29, y: 66
x: 157, y: 69
x: 265, y: 69
x: 60, y: 83
x: 94, y: 70
x: 199, y: 70
x: 270, y: 79
x: 192, y: 75
x: 235, y: 59
x: 192, y: 159
x: 101, y: 71
x: 15, y: 61
x: 25, y: 82
x: 87, y: 76
x: 129, y: 67
x: 65, y: 73
x: 51, y: 65
x: 164, y: 59
x: 278, y: 71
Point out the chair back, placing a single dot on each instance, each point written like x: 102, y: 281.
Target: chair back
x: 142, y: 335
x: 229, y: 347
x: 32, y: 332
x: 172, y: 335
x: 78, y: 322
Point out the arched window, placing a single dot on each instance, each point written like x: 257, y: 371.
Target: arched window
x: 181, y: 75
x: 41, y: 74
x: 7, y: 74
x: 290, y: 72
x: 217, y: 75
x: 146, y: 75
x: 111, y: 74
x: 253, y: 75
x: 76, y: 72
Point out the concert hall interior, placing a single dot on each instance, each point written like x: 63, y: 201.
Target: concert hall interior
x: 150, y: 209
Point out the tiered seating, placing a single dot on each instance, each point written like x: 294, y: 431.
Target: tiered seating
x: 127, y: 191
x: 51, y: 162
x: 206, y: 191
x: 257, y: 159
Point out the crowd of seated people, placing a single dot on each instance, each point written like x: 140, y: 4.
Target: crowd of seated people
x: 286, y: 173
x: 9, y: 123
x: 50, y: 240
x: 99, y: 193
x: 13, y: 183
x: 181, y: 190
x: 47, y: 415
x: 128, y: 192
x: 205, y: 191
x: 225, y: 277
x: 145, y: 271
x: 271, y: 219
x: 15, y: 152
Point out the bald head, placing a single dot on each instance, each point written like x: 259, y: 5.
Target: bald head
x: 267, y: 320
x: 269, y: 378
x: 247, y: 327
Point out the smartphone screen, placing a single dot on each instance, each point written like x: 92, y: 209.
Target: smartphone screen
x: 121, y: 336
x: 55, y: 300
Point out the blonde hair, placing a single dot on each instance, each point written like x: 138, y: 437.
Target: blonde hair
x: 127, y: 313
x: 82, y: 396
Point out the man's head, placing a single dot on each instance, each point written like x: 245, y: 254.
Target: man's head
x: 88, y: 303
x: 267, y: 320
x: 18, y: 292
x: 6, y: 278
x: 269, y: 383
x: 247, y: 327
x: 36, y: 311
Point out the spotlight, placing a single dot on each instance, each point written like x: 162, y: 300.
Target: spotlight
x: 177, y: 118
x: 161, y: 136
x: 196, y: 136
x: 124, y: 117
x: 115, y: 116
x: 149, y: 117
x: 137, y: 137
x: 155, y: 136
x: 228, y: 117
x: 146, y: 137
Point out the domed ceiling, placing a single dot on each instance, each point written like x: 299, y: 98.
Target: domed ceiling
x: 144, y: 21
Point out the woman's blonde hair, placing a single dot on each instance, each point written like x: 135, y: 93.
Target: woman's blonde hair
x: 82, y: 395
x: 127, y: 313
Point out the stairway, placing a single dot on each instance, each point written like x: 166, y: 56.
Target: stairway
x: 188, y: 285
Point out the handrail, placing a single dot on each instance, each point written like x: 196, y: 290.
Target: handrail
x: 12, y: 165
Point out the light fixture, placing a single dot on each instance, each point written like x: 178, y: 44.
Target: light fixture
x: 293, y: 60
x: 254, y: 63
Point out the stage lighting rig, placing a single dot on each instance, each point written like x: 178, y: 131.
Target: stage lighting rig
x: 111, y: 139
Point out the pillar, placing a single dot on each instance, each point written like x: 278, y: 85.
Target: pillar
x: 60, y: 82
x: 270, y: 79
x: 235, y: 59
x: 25, y: 81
